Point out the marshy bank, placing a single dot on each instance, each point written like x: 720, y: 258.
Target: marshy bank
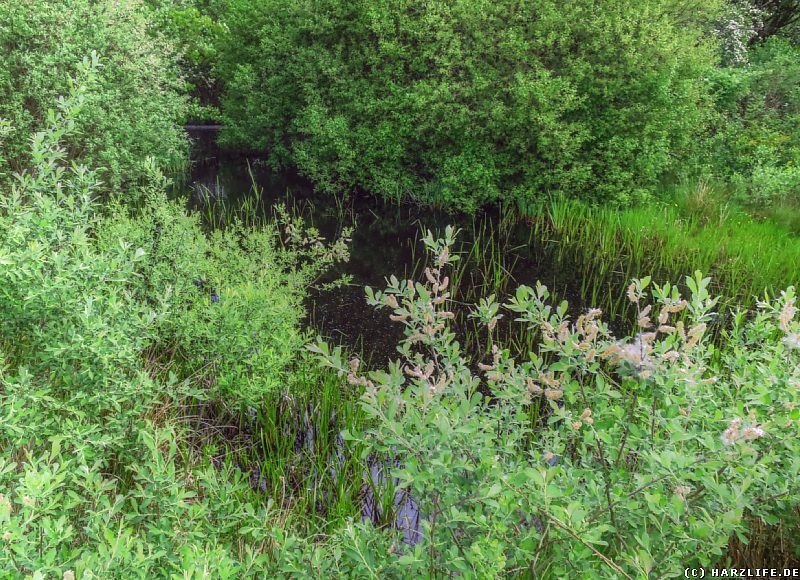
x: 165, y: 409
x: 585, y: 255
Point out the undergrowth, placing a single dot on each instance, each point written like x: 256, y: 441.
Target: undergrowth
x: 159, y: 417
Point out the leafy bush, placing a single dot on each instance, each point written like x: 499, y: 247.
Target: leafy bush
x: 757, y: 140
x: 134, y: 106
x: 738, y: 23
x: 194, y: 28
x: 98, y: 476
x: 67, y: 315
x: 232, y: 299
x: 597, y: 456
x: 467, y: 102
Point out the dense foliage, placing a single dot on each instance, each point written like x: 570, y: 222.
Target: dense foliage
x: 597, y: 456
x: 102, y: 333
x: 464, y: 103
x: 134, y: 106
x: 194, y: 27
x: 757, y: 145
x: 164, y: 414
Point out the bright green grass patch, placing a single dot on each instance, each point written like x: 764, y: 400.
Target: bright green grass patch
x: 746, y: 257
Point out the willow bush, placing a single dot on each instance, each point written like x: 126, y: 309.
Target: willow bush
x: 108, y: 347
x: 134, y: 106
x: 595, y: 456
x: 464, y: 103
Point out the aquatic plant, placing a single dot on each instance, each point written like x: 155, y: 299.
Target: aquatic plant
x: 746, y: 257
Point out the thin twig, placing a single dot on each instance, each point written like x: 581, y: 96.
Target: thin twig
x: 569, y: 530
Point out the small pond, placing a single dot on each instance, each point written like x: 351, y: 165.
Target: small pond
x: 385, y: 241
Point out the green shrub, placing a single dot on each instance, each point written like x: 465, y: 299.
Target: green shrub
x: 134, y: 106
x: 192, y: 25
x: 467, y: 102
x: 99, y: 476
x: 595, y: 456
x: 231, y: 299
x: 68, y: 317
x: 756, y: 144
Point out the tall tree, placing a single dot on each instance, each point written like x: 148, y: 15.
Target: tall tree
x: 778, y: 17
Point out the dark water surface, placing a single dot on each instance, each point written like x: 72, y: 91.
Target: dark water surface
x: 384, y: 242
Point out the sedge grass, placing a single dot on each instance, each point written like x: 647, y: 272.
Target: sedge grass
x: 299, y: 456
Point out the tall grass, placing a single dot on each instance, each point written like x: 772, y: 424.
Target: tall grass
x: 299, y: 456
x: 600, y: 249
x: 609, y: 246
x: 218, y: 211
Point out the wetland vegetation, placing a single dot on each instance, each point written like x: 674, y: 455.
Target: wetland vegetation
x: 381, y: 289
